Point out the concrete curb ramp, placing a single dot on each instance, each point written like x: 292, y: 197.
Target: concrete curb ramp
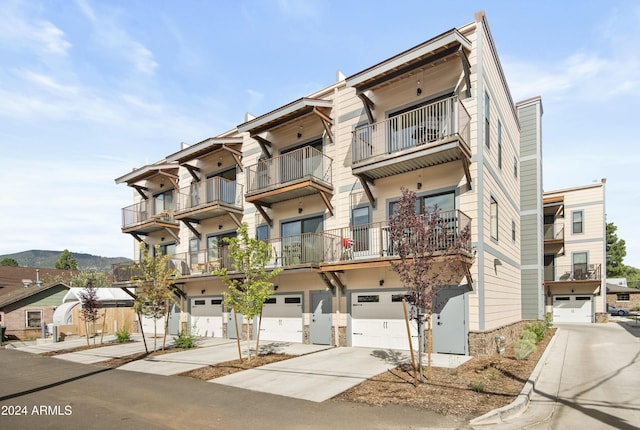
x: 316, y: 377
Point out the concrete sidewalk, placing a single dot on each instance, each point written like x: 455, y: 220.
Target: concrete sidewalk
x: 108, y: 352
x: 68, y: 343
x: 210, y: 351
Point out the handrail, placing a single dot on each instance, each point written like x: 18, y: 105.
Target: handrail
x: 214, y: 190
x: 573, y: 272
x: 553, y: 232
x: 147, y: 210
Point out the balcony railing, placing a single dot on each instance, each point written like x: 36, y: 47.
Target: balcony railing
x: 368, y: 241
x: 553, y: 232
x: 426, y: 125
x: 213, y: 192
x: 307, y: 249
x: 577, y: 272
x: 306, y: 163
x: 146, y: 211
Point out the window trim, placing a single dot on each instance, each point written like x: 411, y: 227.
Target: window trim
x: 487, y: 120
x: 26, y: 317
x: 513, y: 230
x: 499, y: 145
x: 581, y: 222
x: 493, y: 218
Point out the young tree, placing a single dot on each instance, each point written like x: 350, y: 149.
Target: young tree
x: 428, y: 246
x: 616, y: 251
x: 66, y: 261
x: 8, y: 261
x: 90, y: 307
x: 246, y: 295
x: 154, y: 293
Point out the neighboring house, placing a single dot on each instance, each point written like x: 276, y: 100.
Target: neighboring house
x: 319, y: 178
x: 619, y: 295
x: 574, y: 253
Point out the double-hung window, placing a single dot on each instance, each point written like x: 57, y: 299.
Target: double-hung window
x: 577, y: 222
x: 494, y: 218
x: 33, y: 319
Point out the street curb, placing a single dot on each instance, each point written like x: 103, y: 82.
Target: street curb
x: 520, y: 404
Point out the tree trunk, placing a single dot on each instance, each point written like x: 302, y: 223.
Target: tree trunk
x: 235, y: 320
x: 429, y: 345
x: 104, y: 322
x: 420, y: 345
x: 86, y: 329
x: 166, y: 325
x: 249, y: 339
x: 155, y: 332
x: 144, y: 339
x: 258, y: 335
x: 413, y: 359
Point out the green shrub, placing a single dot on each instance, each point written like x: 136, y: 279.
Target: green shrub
x: 524, y: 348
x: 539, y: 328
x: 123, y: 335
x: 185, y: 340
x: 477, y: 386
x: 548, y: 320
x: 529, y: 335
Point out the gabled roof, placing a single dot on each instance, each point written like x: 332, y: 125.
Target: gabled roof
x: 18, y: 295
x: 11, y: 278
x: 201, y: 148
x: 284, y: 114
x: 612, y: 288
x: 148, y: 171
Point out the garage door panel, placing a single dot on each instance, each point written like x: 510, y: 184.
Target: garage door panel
x: 206, y: 316
x: 282, y: 318
x: 572, y: 309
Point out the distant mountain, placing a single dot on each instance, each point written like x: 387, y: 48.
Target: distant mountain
x: 47, y: 260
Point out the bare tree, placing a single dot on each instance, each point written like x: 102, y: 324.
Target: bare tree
x: 90, y: 306
x: 429, y: 247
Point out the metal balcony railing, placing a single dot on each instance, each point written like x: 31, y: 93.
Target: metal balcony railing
x: 306, y: 163
x: 213, y: 191
x: 576, y: 272
x: 300, y: 250
x: 367, y: 241
x: 425, y: 125
x: 151, y: 209
x: 553, y: 232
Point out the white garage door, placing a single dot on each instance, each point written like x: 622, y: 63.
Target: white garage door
x: 572, y: 309
x: 282, y: 318
x: 206, y: 316
x: 377, y: 321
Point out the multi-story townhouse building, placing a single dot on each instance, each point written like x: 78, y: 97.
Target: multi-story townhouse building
x: 319, y: 178
x: 575, y: 253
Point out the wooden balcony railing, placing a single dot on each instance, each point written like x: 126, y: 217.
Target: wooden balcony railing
x: 147, y: 211
x: 426, y: 125
x: 368, y: 241
x: 576, y: 272
x: 306, y: 163
x: 213, y: 192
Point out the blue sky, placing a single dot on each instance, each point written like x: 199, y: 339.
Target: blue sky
x: 90, y: 89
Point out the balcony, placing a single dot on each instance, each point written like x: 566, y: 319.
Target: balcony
x: 371, y: 244
x: 303, y: 250
x: 148, y: 216
x: 298, y: 173
x: 553, y: 234
x: 207, y: 199
x: 582, y: 273
x: 430, y: 135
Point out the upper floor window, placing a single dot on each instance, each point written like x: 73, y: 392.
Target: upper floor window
x: 499, y: 145
x: 487, y: 123
x: 513, y: 230
x: 427, y: 204
x: 515, y: 167
x: 577, y: 222
x: 167, y: 248
x: 494, y: 218
x: 262, y: 232
x: 164, y: 201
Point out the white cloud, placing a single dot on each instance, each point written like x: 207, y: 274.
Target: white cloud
x: 38, y: 35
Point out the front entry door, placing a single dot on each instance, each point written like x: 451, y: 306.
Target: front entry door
x: 449, y: 325
x: 320, y: 326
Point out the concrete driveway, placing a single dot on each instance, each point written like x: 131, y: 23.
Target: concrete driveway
x: 210, y: 351
x: 316, y: 377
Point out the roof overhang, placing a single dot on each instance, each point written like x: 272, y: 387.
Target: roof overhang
x: 202, y: 148
x: 292, y: 111
x: 146, y: 172
x: 444, y: 45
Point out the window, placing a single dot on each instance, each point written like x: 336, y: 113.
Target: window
x: 580, y: 265
x: 292, y: 300
x: 499, y: 145
x: 426, y: 204
x: 33, y: 319
x: 360, y: 228
x: 164, y: 202
x: 199, y: 302
x: 494, y: 218
x: 262, y: 233
x: 194, y: 245
x: 487, y: 123
x: 216, y: 248
x: 168, y: 248
x: 368, y: 299
x: 577, y: 222
x: 270, y: 301
x: 300, y: 244
x: 622, y: 297
x: 515, y: 167
x: 513, y: 230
